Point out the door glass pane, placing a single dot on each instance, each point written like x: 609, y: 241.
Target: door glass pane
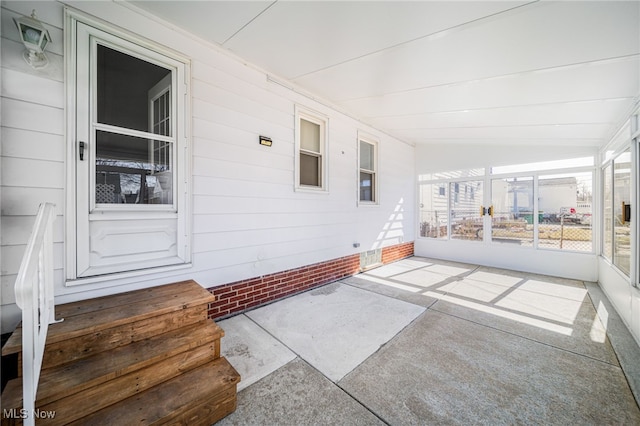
x: 131, y: 170
x: 123, y: 87
x: 160, y: 124
x: 366, y: 186
x: 433, y: 211
x: 607, y: 246
x: 309, y: 136
x: 512, y: 200
x: 466, y: 201
x: 309, y: 170
x: 621, y: 212
x: 366, y: 156
x: 564, y: 211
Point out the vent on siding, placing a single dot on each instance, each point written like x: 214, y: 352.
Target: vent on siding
x: 370, y: 259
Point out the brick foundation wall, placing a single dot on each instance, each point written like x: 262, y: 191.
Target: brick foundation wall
x: 240, y: 296
x: 397, y: 252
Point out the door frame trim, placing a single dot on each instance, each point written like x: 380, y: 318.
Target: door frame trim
x: 183, y: 138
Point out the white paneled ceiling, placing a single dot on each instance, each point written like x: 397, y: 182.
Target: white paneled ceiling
x: 498, y: 72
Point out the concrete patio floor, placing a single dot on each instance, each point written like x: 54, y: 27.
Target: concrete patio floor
x: 424, y: 341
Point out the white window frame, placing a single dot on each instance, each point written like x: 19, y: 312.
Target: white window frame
x: 488, y: 177
x: 364, y: 138
x: 181, y: 206
x: 322, y: 121
x: 623, y: 139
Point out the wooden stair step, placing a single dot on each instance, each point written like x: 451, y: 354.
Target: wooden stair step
x: 95, y: 315
x: 62, y: 381
x: 145, y: 295
x: 201, y: 396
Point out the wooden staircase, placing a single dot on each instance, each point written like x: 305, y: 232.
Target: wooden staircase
x: 144, y: 357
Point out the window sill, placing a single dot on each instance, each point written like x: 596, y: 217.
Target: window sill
x: 367, y: 204
x: 311, y: 190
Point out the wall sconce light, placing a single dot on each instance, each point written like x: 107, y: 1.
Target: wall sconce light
x: 35, y: 37
x: 265, y: 141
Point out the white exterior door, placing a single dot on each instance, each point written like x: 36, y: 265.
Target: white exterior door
x: 130, y: 175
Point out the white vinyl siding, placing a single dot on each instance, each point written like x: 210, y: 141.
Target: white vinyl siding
x: 247, y: 220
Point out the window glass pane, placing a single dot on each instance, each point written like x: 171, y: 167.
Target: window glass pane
x: 124, y: 84
x: 131, y: 170
x: 512, y: 200
x: 367, y: 185
x: 309, y: 170
x: 433, y: 211
x: 309, y: 136
x: 367, y: 152
x: 621, y: 212
x: 466, y: 220
x: 564, y: 211
x: 161, y: 113
x: 607, y: 247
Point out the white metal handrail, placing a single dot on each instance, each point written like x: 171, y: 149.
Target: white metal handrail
x: 34, y: 295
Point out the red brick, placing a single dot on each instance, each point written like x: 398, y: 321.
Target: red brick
x: 252, y: 304
x: 228, y: 306
x: 218, y: 303
x: 226, y: 294
x: 252, y: 294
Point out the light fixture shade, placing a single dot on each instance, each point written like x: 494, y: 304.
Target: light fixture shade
x: 35, y: 38
x: 33, y: 34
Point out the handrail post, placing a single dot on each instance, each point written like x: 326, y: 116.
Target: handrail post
x: 35, y: 296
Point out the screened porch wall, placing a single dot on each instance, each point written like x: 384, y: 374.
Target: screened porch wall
x: 456, y: 156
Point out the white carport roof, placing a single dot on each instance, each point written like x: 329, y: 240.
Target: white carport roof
x: 495, y: 72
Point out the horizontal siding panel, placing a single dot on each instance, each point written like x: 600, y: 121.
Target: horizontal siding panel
x: 234, y: 170
x: 8, y: 284
x: 206, y: 132
x: 31, y: 88
x: 23, y: 172
x: 25, y: 201
x: 12, y: 256
x: 214, y: 204
x: 272, y: 192
x: 254, y: 154
x: 259, y: 255
x: 237, y: 222
x: 228, y: 99
x: 16, y: 230
x: 203, y: 242
x: 10, y: 316
x: 29, y: 116
x: 203, y: 185
x: 11, y: 54
x: 33, y: 145
x: 259, y: 93
x: 211, y: 112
